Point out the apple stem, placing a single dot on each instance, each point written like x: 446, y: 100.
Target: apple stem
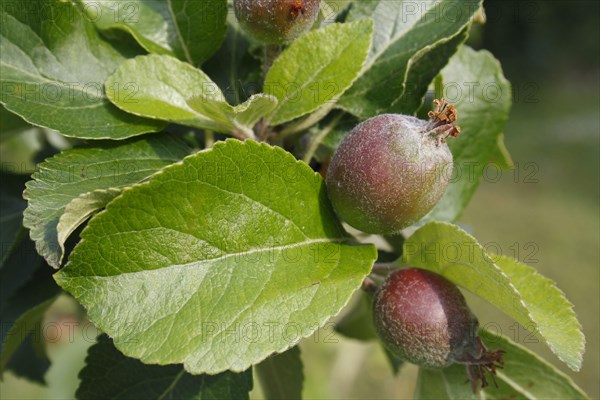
x: 271, y: 52
x: 369, y: 285
x: 486, y: 362
x: 384, y: 269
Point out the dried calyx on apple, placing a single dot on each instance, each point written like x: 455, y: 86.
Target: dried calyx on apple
x: 392, y: 169
x: 423, y: 318
x: 276, y: 21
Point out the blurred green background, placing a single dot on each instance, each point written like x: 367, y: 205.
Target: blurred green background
x: 550, y: 52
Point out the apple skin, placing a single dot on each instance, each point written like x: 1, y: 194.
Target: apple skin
x: 424, y: 319
x: 276, y: 21
x: 388, y: 173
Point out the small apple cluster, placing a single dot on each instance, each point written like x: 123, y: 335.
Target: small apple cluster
x: 386, y: 175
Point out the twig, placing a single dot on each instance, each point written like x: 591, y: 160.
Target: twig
x: 209, y: 139
x: 384, y: 269
x: 369, y: 285
x: 308, y: 121
x: 318, y: 139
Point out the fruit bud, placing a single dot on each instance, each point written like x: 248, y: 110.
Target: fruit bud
x: 276, y: 21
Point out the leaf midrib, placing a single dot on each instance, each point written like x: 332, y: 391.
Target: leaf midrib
x: 183, y: 45
x: 312, y: 78
x: 209, y: 261
x: 393, y: 40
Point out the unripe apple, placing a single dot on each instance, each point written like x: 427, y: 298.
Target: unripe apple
x: 392, y: 169
x: 276, y: 21
x: 423, y: 318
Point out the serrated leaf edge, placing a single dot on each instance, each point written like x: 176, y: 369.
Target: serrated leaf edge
x: 372, y: 60
x: 514, y: 289
x: 540, y: 360
x: 562, y: 295
x: 335, y: 99
x: 422, y: 52
x: 58, y: 278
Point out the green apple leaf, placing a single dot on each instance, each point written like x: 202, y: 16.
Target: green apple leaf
x: 257, y: 106
x: 552, y: 312
x: 423, y: 67
x: 81, y: 208
x: 189, y: 30
x: 281, y: 376
x: 61, y: 179
x: 17, y: 268
x: 11, y: 218
x: 53, y: 69
x: 317, y: 68
x: 394, y: 362
x: 500, y: 155
x: 19, y: 143
x: 474, y: 83
x: 109, y: 374
x: 357, y: 323
x: 444, y: 384
x: 524, y: 376
x: 515, y: 289
x: 234, y: 68
x: 411, y: 43
x: 18, y: 258
x: 24, y: 326
x: 21, y: 322
x: 171, y: 90
x: 217, y: 262
x: 527, y: 375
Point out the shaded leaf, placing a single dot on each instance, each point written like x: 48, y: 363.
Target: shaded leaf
x: 27, y: 362
x: 19, y: 143
x: 11, y: 217
x: 53, y: 69
x: 411, y: 43
x: 423, y: 67
x: 217, y: 262
x: 74, y: 172
x: 395, y: 362
x: 108, y: 374
x: 18, y: 256
x: 281, y: 376
x: 18, y: 267
x: 357, y: 323
x: 21, y: 326
x: 233, y: 68
x: 189, y: 30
